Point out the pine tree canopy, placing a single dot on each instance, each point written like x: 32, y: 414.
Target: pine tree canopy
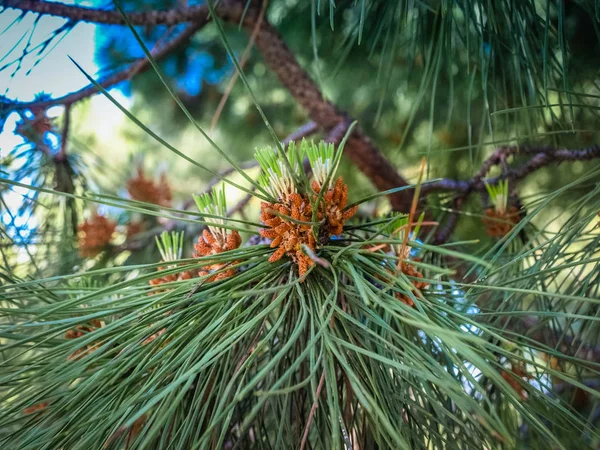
x: 288, y: 224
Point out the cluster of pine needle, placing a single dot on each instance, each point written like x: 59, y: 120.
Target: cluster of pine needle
x: 337, y: 332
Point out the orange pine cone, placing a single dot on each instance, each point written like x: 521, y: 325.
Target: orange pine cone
x: 520, y: 372
x: 80, y: 331
x: 212, y: 245
x: 411, y: 271
x: 333, y: 207
x: 287, y: 236
x: 147, y: 190
x: 185, y: 275
x: 95, y: 235
x: 499, y: 225
x: 154, y: 336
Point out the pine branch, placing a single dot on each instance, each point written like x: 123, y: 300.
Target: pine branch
x: 278, y: 57
x: 541, y: 157
x: 359, y: 148
x: 111, y: 17
x: 141, y: 65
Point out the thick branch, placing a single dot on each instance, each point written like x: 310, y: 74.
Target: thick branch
x: 359, y: 148
x: 64, y: 136
x: 111, y: 17
x: 159, y: 52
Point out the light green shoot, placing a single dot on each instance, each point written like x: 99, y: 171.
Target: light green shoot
x: 499, y: 195
x: 276, y: 177
x: 297, y: 154
x: 214, y: 205
x: 170, y: 245
x: 321, y: 160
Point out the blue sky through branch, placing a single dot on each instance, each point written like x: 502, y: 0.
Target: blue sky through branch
x: 35, y: 59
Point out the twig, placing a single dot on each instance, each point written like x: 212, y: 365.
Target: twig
x: 336, y: 134
x: 539, y: 157
x: 239, y: 207
x: 313, y: 409
x: 159, y: 52
x: 443, y: 233
x: 305, y: 130
x: 542, y: 156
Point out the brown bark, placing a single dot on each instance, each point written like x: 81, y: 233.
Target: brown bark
x: 110, y: 17
x: 359, y: 148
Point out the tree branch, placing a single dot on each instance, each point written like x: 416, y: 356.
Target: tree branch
x: 359, y: 148
x: 111, y: 17
x: 282, y: 61
x: 159, y: 52
x: 305, y: 130
x: 64, y: 136
x: 540, y: 157
x: 277, y: 56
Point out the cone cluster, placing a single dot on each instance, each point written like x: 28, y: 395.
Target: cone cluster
x: 288, y: 236
x: 498, y: 223
x: 302, y: 218
x: 148, y: 190
x: 208, y: 245
x: 332, y: 209
x: 95, y: 235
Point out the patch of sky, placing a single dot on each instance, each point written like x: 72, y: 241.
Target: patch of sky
x: 34, y: 59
